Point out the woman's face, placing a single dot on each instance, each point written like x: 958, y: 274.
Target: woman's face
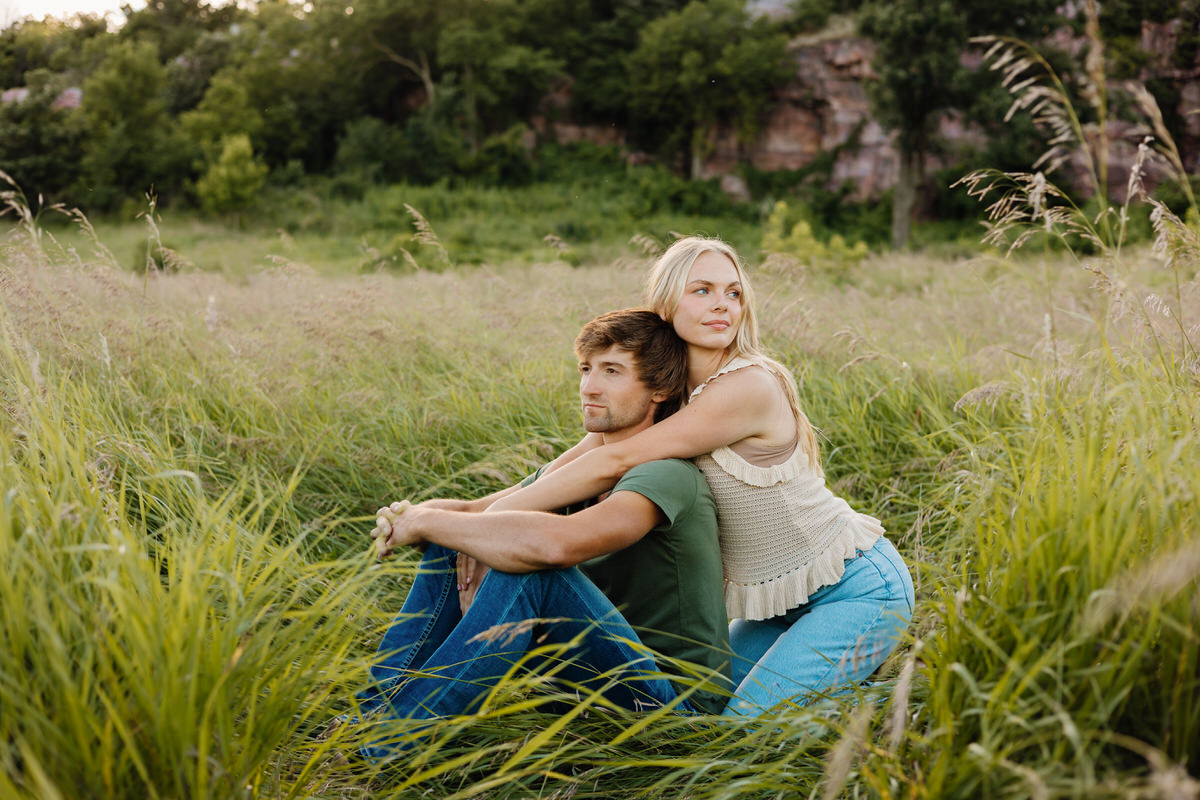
x: 710, y: 309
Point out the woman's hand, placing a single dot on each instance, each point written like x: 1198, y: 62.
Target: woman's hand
x: 470, y: 575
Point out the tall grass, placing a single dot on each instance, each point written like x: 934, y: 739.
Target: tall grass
x: 188, y: 461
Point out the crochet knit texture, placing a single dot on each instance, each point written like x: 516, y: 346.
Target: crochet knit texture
x: 783, y: 534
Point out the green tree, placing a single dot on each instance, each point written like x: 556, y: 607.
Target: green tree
x: 500, y: 79
x: 189, y: 74
x: 234, y: 180
x: 469, y: 62
x: 195, y: 40
x: 132, y: 143
x: 57, y: 45
x: 391, y: 43
x: 225, y: 110
x: 921, y: 74
x: 297, y: 76
x: 919, y: 51
x: 592, y: 41
x: 173, y: 26
x: 695, y: 67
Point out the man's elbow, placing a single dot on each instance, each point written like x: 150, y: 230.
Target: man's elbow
x: 556, y: 554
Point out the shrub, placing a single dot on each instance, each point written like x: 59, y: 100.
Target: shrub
x: 795, y: 240
x: 232, y: 183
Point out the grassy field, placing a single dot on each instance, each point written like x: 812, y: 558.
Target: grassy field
x: 189, y: 463
x: 576, y: 221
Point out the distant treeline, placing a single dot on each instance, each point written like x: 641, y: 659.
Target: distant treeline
x: 205, y: 103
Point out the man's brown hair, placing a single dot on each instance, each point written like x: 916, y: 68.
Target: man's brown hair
x: 660, y: 356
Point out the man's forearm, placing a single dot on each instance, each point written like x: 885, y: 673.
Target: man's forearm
x: 510, y: 541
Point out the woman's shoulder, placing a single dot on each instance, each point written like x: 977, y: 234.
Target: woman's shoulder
x: 742, y: 376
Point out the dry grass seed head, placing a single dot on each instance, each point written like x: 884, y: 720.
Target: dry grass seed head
x: 1037, y: 91
x: 1157, y: 305
x: 1175, y: 242
x: 1150, y: 584
x: 1136, y: 187
x: 841, y: 757
x: 989, y: 394
x: 896, y: 723
x: 648, y: 245
x: 425, y: 234
x: 852, y: 338
x: 505, y: 633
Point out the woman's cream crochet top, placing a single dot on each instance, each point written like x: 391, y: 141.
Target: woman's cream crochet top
x: 783, y: 534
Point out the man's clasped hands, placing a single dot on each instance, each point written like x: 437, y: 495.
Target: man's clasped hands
x: 396, y: 526
x: 389, y: 532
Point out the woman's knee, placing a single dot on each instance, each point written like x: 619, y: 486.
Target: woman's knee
x: 894, y: 575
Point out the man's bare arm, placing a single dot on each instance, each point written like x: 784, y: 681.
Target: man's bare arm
x: 523, y: 541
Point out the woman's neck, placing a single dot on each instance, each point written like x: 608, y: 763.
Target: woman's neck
x: 702, y: 363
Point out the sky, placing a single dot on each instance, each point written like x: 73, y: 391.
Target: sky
x: 13, y: 10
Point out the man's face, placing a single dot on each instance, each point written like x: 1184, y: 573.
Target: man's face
x: 613, y: 398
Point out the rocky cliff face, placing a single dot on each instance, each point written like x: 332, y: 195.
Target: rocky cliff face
x: 826, y: 107
x: 825, y: 110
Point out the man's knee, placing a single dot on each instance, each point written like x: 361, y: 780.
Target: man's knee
x: 536, y: 583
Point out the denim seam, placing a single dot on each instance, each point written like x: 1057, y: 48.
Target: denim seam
x: 386, y: 685
x: 891, y: 578
x: 895, y: 579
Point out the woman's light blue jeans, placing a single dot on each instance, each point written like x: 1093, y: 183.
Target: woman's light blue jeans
x: 839, y: 637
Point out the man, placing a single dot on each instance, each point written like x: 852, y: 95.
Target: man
x: 649, y: 567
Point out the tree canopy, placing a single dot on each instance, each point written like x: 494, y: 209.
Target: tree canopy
x: 420, y: 90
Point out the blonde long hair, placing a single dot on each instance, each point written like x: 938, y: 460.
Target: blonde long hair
x: 665, y: 286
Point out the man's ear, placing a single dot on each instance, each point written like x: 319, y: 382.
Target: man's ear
x: 659, y: 397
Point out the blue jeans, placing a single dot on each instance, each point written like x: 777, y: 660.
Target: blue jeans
x: 436, y: 661
x: 839, y: 637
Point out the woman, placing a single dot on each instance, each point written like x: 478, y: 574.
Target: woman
x: 818, y: 596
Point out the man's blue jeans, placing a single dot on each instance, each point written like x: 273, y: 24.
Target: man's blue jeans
x: 437, y: 662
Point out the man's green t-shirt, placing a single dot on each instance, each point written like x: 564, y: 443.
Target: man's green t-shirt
x: 668, y: 585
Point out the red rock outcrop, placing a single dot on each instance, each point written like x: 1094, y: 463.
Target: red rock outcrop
x: 825, y: 110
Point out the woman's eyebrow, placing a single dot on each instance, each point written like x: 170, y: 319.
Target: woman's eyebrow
x: 702, y: 282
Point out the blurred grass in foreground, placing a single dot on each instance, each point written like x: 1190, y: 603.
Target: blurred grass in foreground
x: 187, y: 461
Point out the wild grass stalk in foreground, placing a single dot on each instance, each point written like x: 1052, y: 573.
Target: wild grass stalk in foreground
x: 166, y: 660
